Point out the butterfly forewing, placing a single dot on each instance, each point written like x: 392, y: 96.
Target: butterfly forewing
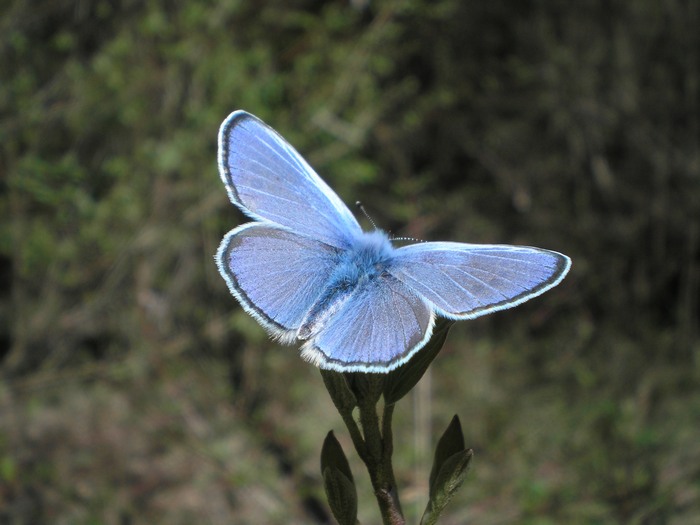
x: 464, y: 281
x: 269, y: 180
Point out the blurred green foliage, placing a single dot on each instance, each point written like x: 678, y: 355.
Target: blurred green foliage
x: 570, y: 126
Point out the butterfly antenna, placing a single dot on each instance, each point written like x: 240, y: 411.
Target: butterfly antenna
x: 392, y: 238
x: 412, y: 239
x: 364, y: 212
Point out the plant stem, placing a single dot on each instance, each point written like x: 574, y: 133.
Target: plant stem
x: 355, y: 434
x: 378, y: 448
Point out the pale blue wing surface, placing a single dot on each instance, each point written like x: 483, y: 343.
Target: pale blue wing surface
x: 268, y: 180
x: 463, y: 281
x: 378, y: 328
x: 275, y: 274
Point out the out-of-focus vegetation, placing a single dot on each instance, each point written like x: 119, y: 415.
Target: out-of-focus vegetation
x: 135, y: 390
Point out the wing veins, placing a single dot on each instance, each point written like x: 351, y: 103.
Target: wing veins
x: 298, y: 167
x: 492, y: 256
x: 403, y: 324
x: 479, y: 280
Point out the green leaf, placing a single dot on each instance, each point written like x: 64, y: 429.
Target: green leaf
x: 341, y: 495
x: 332, y: 456
x: 448, y: 480
x: 337, y: 385
x: 449, y: 470
x: 450, y: 443
x: 338, y: 481
x: 367, y: 387
x: 399, y: 382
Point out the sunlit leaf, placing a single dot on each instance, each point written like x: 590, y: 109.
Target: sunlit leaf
x: 451, y: 442
x: 448, y: 480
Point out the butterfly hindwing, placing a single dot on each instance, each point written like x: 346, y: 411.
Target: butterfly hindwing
x: 464, y: 281
x: 275, y: 274
x: 378, y: 328
x: 266, y: 177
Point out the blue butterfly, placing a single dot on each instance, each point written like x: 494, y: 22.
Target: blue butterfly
x: 306, y: 270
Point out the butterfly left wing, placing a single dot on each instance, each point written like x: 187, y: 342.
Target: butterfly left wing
x: 463, y: 281
x: 380, y: 325
x: 269, y: 181
x: 276, y: 274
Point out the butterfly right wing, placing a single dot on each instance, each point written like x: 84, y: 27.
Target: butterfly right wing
x: 268, y: 180
x: 464, y: 281
x: 276, y: 274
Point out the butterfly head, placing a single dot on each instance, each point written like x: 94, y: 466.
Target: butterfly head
x: 369, y: 255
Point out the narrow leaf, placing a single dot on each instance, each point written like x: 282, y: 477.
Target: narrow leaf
x: 367, y: 387
x: 337, y: 385
x: 341, y: 495
x: 451, y: 442
x: 332, y: 456
x: 338, y: 481
x: 447, y: 482
x: 399, y: 382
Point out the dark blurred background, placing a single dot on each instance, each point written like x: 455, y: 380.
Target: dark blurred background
x: 135, y: 390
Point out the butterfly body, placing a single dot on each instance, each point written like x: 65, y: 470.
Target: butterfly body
x: 358, y: 266
x: 307, y: 272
